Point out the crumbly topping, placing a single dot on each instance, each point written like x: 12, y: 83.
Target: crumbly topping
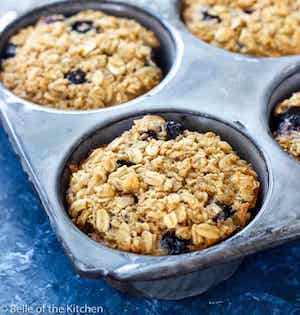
x: 255, y: 27
x: 287, y: 125
x: 159, y: 189
x: 86, y: 61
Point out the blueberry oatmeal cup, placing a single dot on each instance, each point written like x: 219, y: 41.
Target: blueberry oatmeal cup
x: 160, y: 189
x: 254, y: 27
x: 286, y: 125
x: 85, y: 61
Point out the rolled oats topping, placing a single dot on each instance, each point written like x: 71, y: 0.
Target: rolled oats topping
x: 175, y: 192
x: 255, y: 27
x: 86, y: 61
x: 286, y: 125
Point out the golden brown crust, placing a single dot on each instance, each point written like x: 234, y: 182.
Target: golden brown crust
x: 146, y: 194
x: 114, y: 57
x: 255, y: 27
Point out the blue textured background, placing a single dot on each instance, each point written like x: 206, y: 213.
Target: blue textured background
x: 35, y: 271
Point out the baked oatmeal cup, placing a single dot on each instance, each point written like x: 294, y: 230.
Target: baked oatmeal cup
x: 85, y: 61
x: 160, y: 189
x: 286, y: 125
x: 254, y: 27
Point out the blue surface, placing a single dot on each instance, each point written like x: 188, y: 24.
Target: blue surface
x: 34, y: 270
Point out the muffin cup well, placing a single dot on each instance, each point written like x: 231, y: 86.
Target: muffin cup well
x: 242, y: 144
x: 179, y: 7
x: 284, y: 88
x: 167, y: 56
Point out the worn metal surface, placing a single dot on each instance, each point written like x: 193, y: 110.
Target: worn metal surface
x: 204, y: 80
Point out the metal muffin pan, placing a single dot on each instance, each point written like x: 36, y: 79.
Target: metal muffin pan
x: 206, y: 88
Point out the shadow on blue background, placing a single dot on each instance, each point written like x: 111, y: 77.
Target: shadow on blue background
x: 35, y: 271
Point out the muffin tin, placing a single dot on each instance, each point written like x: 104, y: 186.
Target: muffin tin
x: 204, y: 87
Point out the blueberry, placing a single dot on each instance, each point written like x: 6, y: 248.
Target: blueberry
x: 83, y: 26
x: 149, y: 134
x: 136, y: 199
x: 290, y: 120
x: 206, y: 16
x: 226, y: 213
x: 248, y: 11
x: 174, y: 244
x: 10, y: 51
x: 121, y: 163
x: 152, y: 134
x: 52, y: 19
x: 174, y: 129
x: 76, y: 76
